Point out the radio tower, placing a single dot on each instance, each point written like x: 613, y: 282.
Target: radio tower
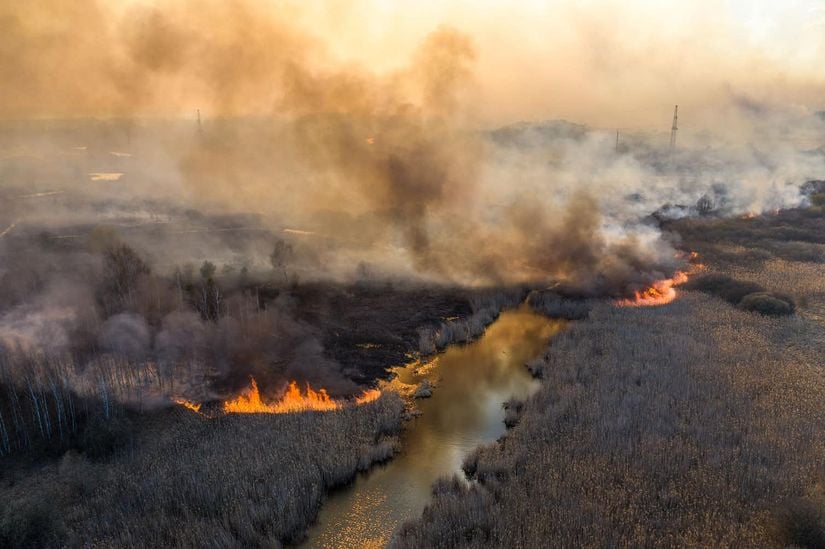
x: 675, y: 128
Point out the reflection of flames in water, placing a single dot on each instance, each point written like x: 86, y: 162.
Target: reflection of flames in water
x: 662, y: 291
x: 294, y: 400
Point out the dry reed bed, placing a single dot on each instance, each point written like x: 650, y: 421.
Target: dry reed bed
x: 689, y: 424
x: 232, y: 481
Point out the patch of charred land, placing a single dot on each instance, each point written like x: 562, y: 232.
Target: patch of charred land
x: 215, y: 267
x: 371, y: 327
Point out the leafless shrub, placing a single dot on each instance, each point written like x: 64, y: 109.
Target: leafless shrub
x: 512, y: 412
x: 768, y: 303
x: 723, y: 286
x: 748, y: 296
x: 424, y: 390
x: 802, y: 523
x: 123, y: 268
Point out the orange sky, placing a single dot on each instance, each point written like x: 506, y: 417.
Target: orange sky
x: 611, y: 63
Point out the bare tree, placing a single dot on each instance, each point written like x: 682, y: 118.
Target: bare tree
x: 122, y: 268
x: 704, y: 205
x: 208, y: 270
x: 281, y: 255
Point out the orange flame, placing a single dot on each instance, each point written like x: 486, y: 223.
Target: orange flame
x: 659, y: 293
x: 194, y: 406
x: 367, y: 396
x: 663, y: 291
x: 695, y: 264
x: 293, y: 401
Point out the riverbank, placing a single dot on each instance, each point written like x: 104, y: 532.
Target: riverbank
x: 184, y: 480
x: 471, y: 383
x: 172, y: 477
x: 693, y: 423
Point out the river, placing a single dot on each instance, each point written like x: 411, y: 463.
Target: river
x: 471, y: 382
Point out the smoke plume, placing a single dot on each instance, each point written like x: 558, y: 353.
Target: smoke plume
x: 381, y: 158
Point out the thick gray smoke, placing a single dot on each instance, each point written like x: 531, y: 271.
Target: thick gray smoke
x: 386, y: 174
x: 387, y: 169
x: 126, y: 334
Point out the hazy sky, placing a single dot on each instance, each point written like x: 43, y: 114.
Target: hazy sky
x: 371, y: 101
x: 606, y: 62
x: 611, y: 63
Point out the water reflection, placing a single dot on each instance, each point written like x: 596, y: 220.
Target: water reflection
x: 471, y: 383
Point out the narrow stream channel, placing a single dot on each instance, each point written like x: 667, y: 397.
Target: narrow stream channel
x: 471, y: 383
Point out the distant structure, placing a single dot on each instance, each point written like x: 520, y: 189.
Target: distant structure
x: 675, y: 128
x: 200, y: 127
x: 617, y: 140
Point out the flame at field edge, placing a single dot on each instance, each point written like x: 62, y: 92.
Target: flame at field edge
x: 660, y: 292
x: 188, y: 404
x: 663, y: 291
x: 295, y: 400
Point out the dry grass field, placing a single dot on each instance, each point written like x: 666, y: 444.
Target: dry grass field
x: 183, y: 480
x: 691, y: 424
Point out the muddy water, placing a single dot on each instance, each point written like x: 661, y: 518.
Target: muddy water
x: 471, y: 383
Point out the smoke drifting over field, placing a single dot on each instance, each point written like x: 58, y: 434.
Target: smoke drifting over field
x: 392, y: 164
x: 390, y: 167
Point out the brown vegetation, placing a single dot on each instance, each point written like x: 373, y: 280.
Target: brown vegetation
x: 691, y: 424
x: 179, y: 479
x: 748, y: 296
x: 681, y: 425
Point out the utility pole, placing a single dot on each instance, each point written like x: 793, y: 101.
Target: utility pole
x: 617, y: 140
x: 675, y: 128
x: 200, y: 127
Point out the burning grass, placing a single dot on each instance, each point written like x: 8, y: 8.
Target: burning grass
x: 189, y: 405
x: 294, y: 400
x: 660, y: 292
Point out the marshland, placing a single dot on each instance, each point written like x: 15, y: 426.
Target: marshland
x: 357, y: 275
